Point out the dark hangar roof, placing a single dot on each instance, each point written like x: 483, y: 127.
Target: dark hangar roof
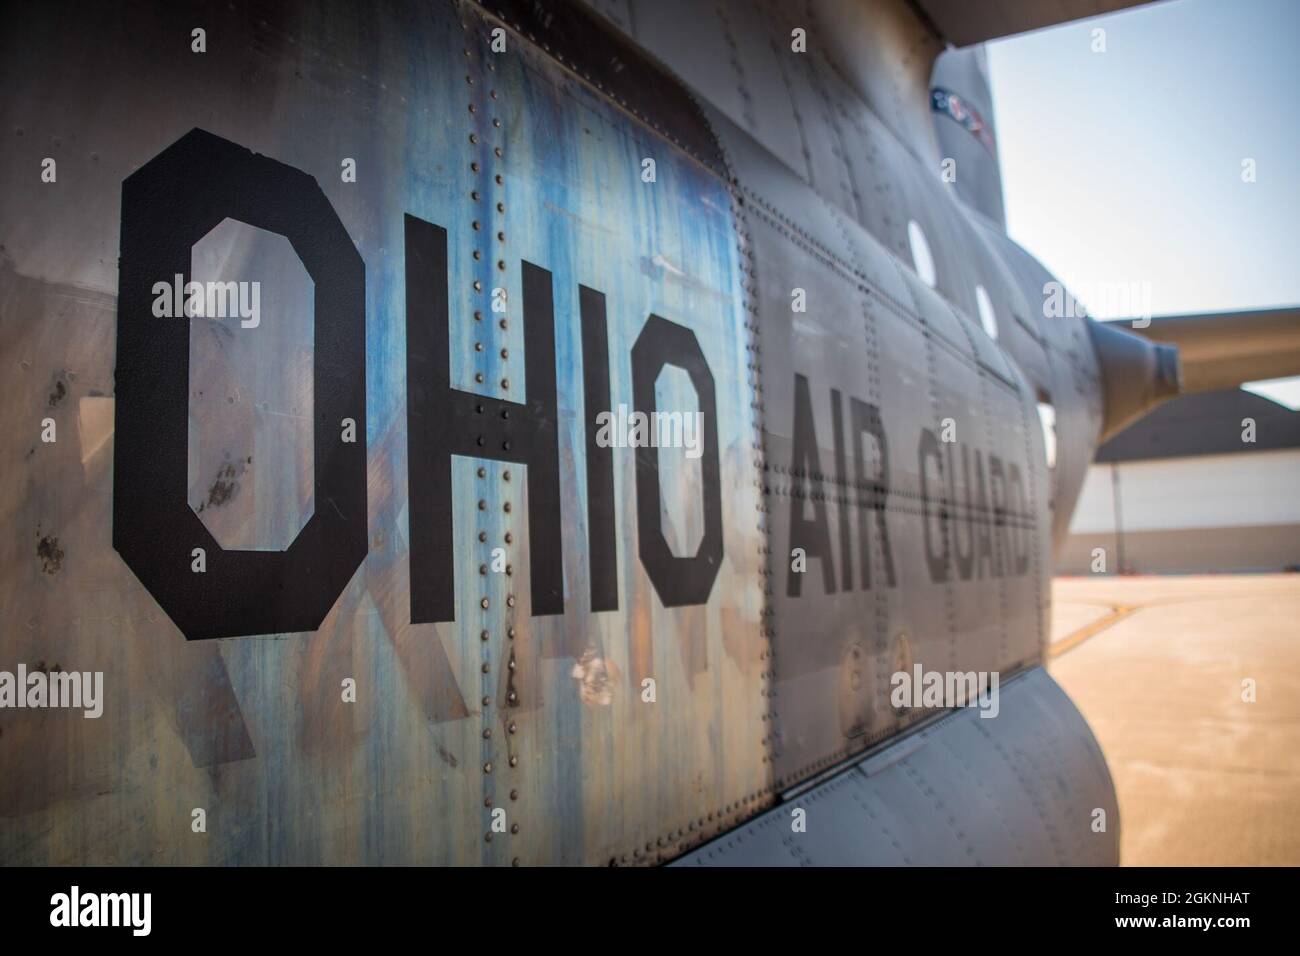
x: 1206, y: 423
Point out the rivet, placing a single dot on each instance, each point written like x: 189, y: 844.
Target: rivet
x: 496, y: 123
x: 482, y: 505
x: 474, y: 225
x: 482, y: 569
x: 478, y: 286
x: 473, y: 167
x: 488, y: 836
x: 500, y: 179
x: 506, y: 507
x: 506, y: 476
x: 477, y: 255
x: 481, y: 441
x: 478, y: 377
x: 483, y: 604
x: 473, y: 138
x: 514, y: 761
x: 515, y: 861
x: 505, y: 445
x: 502, y: 323
x: 510, y: 570
x: 505, y: 353
x: 478, y: 315
x: 501, y: 207
x: 512, y: 663
x: 486, y: 667
x: 505, y: 383
x: 505, y: 413
x: 497, y: 150
x: 487, y: 701
x: 478, y: 409
x: 512, y: 728
x: 492, y: 93
x: 487, y: 801
x: 487, y: 733
x: 473, y: 194
x: 487, y: 767
x: 511, y: 633
x: 501, y: 236
x: 482, y: 472
x: 483, y: 635
x: 514, y: 794
x: 512, y: 697
x: 501, y: 265
x: 510, y: 601
x: 514, y: 828
x: 509, y: 537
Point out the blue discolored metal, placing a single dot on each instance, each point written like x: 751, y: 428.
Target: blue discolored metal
x: 550, y: 719
x: 523, y: 134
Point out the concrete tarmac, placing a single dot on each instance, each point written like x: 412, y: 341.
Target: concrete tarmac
x: 1157, y: 665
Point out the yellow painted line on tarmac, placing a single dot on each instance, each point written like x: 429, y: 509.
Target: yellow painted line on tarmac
x: 1071, y: 641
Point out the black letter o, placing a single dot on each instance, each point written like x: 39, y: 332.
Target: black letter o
x: 678, y: 581
x: 167, y: 206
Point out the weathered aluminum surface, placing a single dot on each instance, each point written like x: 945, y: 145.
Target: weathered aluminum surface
x: 521, y: 156
x: 959, y: 792
x: 874, y: 333
x: 853, y: 154
x: 253, y: 728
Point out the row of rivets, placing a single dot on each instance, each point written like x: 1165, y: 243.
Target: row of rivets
x: 479, y: 139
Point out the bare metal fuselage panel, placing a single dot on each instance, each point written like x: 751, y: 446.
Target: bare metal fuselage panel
x: 466, y: 630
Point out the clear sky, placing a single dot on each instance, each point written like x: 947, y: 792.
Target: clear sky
x: 1126, y: 165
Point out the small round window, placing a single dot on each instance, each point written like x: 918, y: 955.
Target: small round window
x: 922, y: 261
x: 1047, y: 419
x: 987, y: 318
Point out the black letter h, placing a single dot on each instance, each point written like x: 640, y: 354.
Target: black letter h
x: 443, y: 421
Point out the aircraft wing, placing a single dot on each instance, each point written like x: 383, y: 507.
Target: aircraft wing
x: 962, y: 23
x: 1224, y: 349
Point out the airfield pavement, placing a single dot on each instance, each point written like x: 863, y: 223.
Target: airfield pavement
x: 1156, y: 665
